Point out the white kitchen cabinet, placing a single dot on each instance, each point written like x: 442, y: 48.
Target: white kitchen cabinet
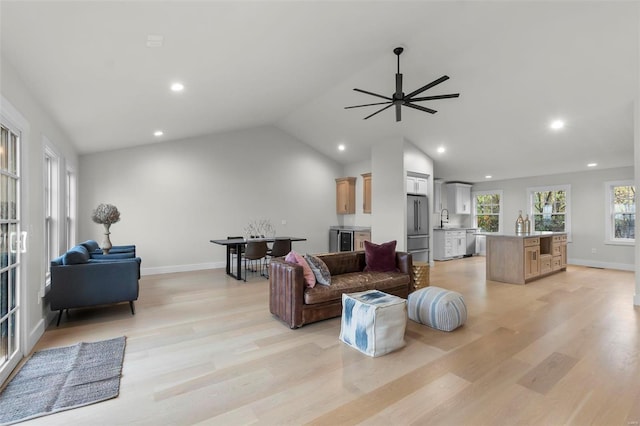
x: 449, y: 244
x: 459, y: 198
x: 439, y: 202
x: 416, y: 185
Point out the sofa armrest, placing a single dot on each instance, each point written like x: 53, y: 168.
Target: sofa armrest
x: 286, y: 291
x: 404, y: 263
x: 93, y: 283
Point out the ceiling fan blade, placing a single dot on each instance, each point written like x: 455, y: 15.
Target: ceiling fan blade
x: 398, y: 112
x: 425, y: 87
x: 421, y: 108
x: 380, y: 110
x: 430, y: 98
x: 373, y: 94
x: 398, y: 86
x: 358, y: 106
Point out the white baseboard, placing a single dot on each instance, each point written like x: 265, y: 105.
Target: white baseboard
x: 34, y: 335
x: 181, y: 268
x: 606, y: 265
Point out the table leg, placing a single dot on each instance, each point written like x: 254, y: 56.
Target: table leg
x: 239, y: 263
x: 228, y: 260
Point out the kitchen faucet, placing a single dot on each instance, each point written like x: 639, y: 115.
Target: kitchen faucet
x: 442, y: 218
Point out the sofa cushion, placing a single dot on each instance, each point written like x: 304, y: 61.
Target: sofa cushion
x: 319, y: 268
x: 354, y: 282
x: 309, y: 277
x: 380, y: 257
x: 343, y: 262
x: 76, y: 255
x: 90, y: 245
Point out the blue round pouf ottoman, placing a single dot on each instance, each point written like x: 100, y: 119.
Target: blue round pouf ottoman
x: 437, y: 307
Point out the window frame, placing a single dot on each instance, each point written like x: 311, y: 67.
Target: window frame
x: 51, y: 194
x: 499, y: 192
x: 608, y: 209
x: 567, y: 214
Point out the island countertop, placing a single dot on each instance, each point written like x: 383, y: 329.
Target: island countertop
x: 514, y: 235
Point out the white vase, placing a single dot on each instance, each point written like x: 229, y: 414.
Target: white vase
x: 106, y: 242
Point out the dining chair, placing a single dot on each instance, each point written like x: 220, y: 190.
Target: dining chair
x: 281, y: 247
x: 234, y: 252
x: 255, y: 250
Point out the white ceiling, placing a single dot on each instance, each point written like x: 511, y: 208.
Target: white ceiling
x: 517, y: 65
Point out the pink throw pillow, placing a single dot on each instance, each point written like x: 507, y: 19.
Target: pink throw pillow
x: 380, y: 257
x: 309, y: 277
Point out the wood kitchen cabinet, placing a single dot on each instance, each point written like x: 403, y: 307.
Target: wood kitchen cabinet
x: 459, y: 198
x: 359, y: 237
x: 366, y: 193
x: 519, y: 259
x: 346, y: 195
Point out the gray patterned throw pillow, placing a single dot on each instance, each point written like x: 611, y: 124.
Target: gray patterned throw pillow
x: 319, y: 268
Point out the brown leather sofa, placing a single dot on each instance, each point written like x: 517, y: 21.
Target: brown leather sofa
x: 295, y: 304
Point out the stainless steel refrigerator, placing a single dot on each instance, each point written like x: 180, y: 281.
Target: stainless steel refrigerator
x: 418, y: 227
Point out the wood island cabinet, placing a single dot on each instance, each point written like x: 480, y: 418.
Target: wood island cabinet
x: 519, y: 259
x: 346, y: 195
x: 366, y: 193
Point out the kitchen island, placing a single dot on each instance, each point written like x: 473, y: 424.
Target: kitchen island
x: 521, y: 258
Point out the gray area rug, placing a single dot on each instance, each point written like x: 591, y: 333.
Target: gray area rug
x: 60, y: 379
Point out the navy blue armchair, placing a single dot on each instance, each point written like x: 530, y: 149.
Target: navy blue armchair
x: 78, y: 281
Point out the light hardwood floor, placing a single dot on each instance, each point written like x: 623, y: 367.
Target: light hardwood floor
x: 204, y: 349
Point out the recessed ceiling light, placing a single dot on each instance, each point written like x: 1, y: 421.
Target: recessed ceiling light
x: 341, y: 147
x: 158, y: 133
x: 557, y: 124
x: 592, y: 164
x: 177, y: 87
x: 488, y: 177
x: 441, y: 149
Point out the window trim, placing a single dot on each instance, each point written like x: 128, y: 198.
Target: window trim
x: 500, y: 215
x: 567, y: 213
x: 609, y: 238
x: 51, y: 182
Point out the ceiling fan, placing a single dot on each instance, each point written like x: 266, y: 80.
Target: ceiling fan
x: 399, y: 98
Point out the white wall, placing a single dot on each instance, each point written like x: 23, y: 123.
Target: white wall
x: 587, y: 213
x: 175, y: 196
x: 388, y: 217
x: 36, y: 124
x: 359, y: 218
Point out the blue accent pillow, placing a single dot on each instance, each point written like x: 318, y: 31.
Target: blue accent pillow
x: 75, y: 256
x: 90, y: 245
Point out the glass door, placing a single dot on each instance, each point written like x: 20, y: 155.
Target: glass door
x: 10, y: 243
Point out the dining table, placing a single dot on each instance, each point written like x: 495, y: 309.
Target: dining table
x: 239, y: 243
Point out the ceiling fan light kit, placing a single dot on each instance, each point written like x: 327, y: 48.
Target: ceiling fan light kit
x: 399, y: 99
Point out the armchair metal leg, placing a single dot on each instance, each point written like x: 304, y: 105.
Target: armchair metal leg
x: 133, y: 309
x: 59, y: 316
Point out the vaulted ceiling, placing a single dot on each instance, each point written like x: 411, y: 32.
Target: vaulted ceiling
x: 517, y: 65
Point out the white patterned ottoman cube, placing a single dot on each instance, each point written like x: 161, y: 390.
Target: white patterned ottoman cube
x: 438, y: 308
x: 373, y: 322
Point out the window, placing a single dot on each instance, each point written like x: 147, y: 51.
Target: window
x: 550, y: 208
x: 620, y: 212
x: 50, y: 209
x: 487, y: 210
